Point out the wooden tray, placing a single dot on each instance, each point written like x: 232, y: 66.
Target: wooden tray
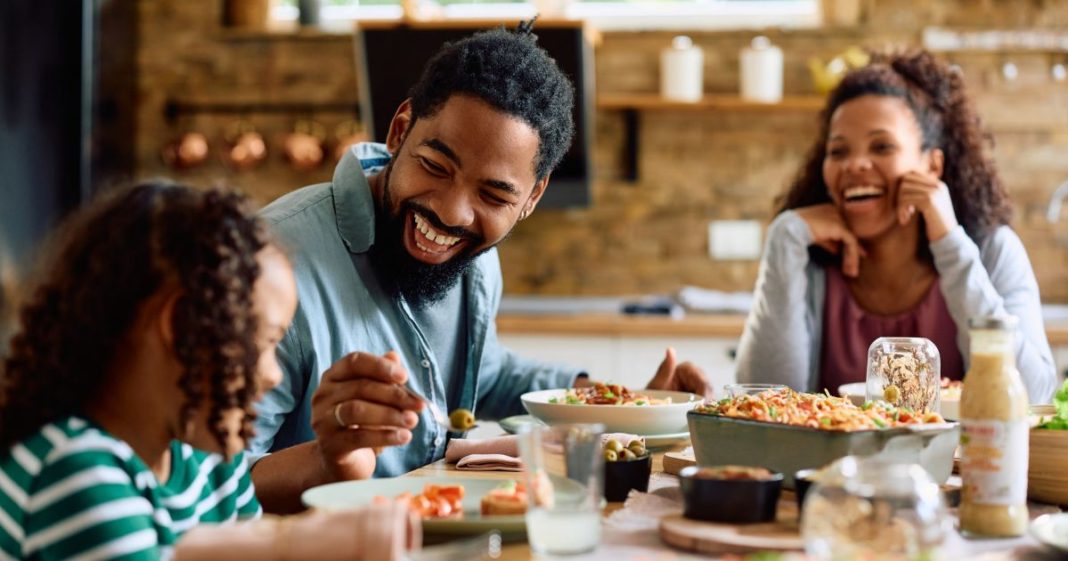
x: 673, y: 462
x: 717, y: 538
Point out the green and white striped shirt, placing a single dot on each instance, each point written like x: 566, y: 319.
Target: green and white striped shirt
x: 72, y: 491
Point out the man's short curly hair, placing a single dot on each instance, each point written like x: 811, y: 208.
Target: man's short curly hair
x: 105, y: 262
x: 509, y: 71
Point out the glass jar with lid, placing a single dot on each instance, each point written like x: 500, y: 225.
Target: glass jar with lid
x: 875, y: 508
x: 905, y: 372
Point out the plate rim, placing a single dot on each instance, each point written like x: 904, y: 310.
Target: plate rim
x: 693, y: 400
x: 516, y: 521
x: 1040, y: 538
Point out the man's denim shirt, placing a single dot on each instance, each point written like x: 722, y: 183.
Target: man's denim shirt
x: 327, y: 230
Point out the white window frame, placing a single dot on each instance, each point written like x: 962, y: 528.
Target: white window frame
x: 621, y: 16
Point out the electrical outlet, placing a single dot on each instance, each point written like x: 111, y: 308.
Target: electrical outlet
x: 734, y: 240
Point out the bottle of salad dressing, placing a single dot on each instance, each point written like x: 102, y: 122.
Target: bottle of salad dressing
x: 994, y: 435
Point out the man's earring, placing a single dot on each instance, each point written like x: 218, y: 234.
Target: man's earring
x: 523, y: 215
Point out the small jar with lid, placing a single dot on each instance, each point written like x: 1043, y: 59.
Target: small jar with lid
x: 905, y: 372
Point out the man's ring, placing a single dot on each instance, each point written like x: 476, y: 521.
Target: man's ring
x: 337, y: 417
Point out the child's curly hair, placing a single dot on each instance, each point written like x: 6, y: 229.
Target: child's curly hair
x: 106, y: 261
x: 948, y: 120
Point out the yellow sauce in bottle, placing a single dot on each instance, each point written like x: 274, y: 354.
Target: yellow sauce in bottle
x: 994, y: 434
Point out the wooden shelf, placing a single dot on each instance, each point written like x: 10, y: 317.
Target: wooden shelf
x: 631, y: 104
x: 716, y: 102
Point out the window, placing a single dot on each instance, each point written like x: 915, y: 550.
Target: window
x: 603, y: 14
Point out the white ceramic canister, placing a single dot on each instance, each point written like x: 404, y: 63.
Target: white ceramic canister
x: 681, y: 70
x: 761, y: 71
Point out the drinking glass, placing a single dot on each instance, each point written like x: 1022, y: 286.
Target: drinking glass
x: 736, y: 390
x: 564, y: 468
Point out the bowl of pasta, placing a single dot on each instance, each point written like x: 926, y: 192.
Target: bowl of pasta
x: 620, y: 409
x: 788, y: 431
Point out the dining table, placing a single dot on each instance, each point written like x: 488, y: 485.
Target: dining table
x: 629, y: 530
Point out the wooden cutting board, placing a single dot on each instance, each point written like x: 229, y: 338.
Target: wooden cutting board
x: 717, y: 538
x: 673, y: 462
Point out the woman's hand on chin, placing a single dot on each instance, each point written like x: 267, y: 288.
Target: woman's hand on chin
x: 928, y: 195
x: 830, y: 231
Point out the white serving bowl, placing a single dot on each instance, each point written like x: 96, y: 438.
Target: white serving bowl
x: 634, y: 419
x: 856, y: 392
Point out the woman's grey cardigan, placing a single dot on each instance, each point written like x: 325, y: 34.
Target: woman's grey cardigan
x: 783, y: 334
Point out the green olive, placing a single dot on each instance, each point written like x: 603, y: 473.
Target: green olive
x: 461, y: 419
x: 637, y: 447
x: 626, y: 455
x: 613, y: 445
x: 610, y: 455
x: 892, y: 394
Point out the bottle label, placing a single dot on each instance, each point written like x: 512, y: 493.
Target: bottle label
x: 993, y: 463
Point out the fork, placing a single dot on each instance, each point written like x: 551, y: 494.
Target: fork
x: 435, y: 412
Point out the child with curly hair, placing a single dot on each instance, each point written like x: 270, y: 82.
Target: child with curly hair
x: 126, y: 398
x: 897, y: 225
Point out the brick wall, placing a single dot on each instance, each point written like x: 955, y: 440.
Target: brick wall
x: 648, y: 235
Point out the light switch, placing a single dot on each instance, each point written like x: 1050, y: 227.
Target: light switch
x: 734, y: 239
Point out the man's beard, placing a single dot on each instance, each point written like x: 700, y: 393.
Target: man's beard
x: 421, y: 284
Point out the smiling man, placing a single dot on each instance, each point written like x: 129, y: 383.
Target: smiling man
x: 398, y: 278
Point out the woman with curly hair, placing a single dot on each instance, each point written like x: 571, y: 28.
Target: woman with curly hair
x: 897, y: 225
x: 127, y: 396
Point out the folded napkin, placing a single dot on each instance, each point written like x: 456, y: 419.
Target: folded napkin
x: 624, y: 438
x: 486, y: 454
x: 502, y: 453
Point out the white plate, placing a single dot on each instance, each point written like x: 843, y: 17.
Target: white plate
x: 1052, y: 530
x: 950, y: 409
x: 511, y: 425
x: 635, y: 419
x: 353, y: 494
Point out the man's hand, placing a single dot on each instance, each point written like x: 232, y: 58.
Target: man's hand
x: 685, y: 377
x: 360, y: 405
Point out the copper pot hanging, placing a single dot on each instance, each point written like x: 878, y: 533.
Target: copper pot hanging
x: 304, y: 146
x: 245, y: 148
x: 189, y: 150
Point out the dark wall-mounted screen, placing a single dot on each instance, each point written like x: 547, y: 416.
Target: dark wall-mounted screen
x: 391, y: 59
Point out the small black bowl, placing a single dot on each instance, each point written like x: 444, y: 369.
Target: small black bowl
x: 802, y: 483
x: 622, y: 476
x: 736, y: 501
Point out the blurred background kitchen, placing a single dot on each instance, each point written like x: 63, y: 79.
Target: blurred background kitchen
x: 661, y: 206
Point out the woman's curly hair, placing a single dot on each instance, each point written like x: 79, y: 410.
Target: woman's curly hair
x: 948, y: 121
x: 106, y: 261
